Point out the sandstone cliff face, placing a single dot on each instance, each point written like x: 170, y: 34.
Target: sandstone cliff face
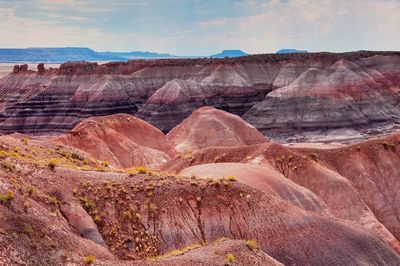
x: 322, y: 96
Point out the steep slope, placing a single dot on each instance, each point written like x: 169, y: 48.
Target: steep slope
x: 208, y: 126
x: 261, y: 178
x: 122, y: 140
x: 48, y: 204
x: 340, y: 194
x: 374, y: 170
x: 324, y: 95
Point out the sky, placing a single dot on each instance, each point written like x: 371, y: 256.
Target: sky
x: 202, y: 27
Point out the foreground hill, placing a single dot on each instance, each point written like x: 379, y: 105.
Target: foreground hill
x: 324, y: 96
x: 248, y: 201
x: 58, y: 215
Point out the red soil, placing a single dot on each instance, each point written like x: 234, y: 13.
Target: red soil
x: 208, y: 127
x: 121, y: 139
x: 72, y: 213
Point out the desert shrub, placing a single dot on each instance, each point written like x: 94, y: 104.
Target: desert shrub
x: 127, y: 214
x: 53, y: 200
x: 89, y: 259
x: 7, y: 197
x: 178, y: 252
x: 28, y: 229
x: 26, y: 205
x: 3, y: 154
x: 7, y: 165
x: 387, y: 145
x: 142, y: 170
x: 252, y: 244
x: 31, y: 190
x: 86, y: 203
x: 52, y: 164
x: 229, y: 259
x: 314, y: 156
x: 105, y: 164
x: 230, y: 178
x: 97, y: 219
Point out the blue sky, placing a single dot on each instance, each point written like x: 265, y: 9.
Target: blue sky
x: 195, y: 27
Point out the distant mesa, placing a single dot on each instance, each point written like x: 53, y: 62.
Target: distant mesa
x: 137, y: 55
x: 64, y: 54
x: 290, y: 51
x: 229, y: 53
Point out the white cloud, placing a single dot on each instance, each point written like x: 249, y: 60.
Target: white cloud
x: 27, y: 32
x: 77, y: 5
x: 213, y: 23
x: 259, y: 26
x: 314, y: 25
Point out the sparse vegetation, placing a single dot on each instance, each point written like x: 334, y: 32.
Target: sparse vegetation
x: 252, y: 244
x: 388, y: 145
x: 31, y: 190
x: 26, y: 205
x: 127, y: 214
x: 89, y: 259
x: 7, y: 197
x: 178, y: 252
x: 52, y: 164
x: 86, y: 203
x: 229, y: 259
x: 28, y: 229
x: 7, y: 165
x: 142, y: 170
x: 286, y: 165
x: 314, y: 156
x: 230, y: 178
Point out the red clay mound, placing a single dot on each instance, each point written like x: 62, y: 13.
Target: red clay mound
x: 208, y: 126
x: 374, y: 170
x: 121, y: 139
x: 263, y: 178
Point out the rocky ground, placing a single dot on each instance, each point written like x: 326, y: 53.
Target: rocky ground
x: 246, y: 201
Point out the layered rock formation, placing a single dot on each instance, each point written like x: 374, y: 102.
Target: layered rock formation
x: 343, y: 101
x: 322, y: 95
